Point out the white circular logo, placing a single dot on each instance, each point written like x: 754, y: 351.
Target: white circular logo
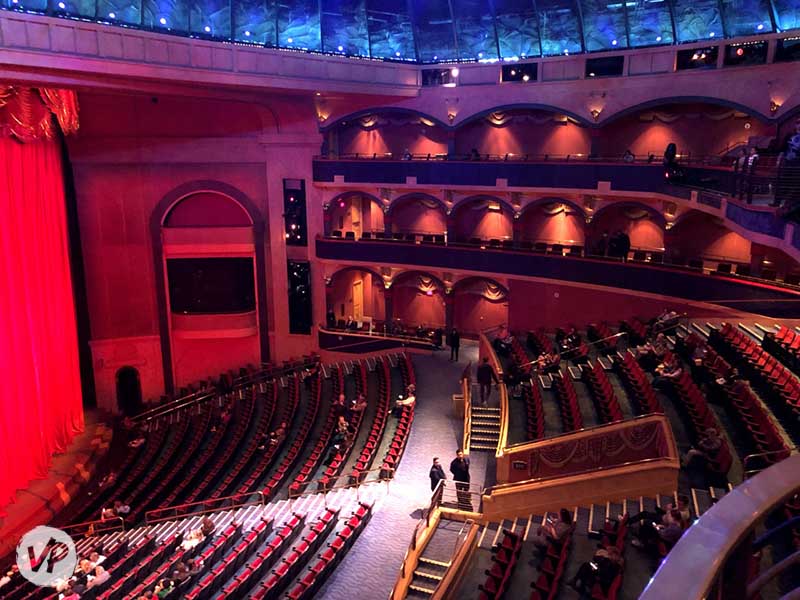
x: 46, y: 555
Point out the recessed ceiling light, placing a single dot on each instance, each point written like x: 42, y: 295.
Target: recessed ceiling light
x: 247, y: 34
x: 207, y: 29
x: 163, y: 21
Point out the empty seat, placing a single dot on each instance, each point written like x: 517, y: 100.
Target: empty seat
x: 350, y: 235
x: 656, y: 257
x: 743, y: 270
x: 724, y: 268
x: 475, y: 241
x: 427, y: 238
x: 696, y: 263
x: 439, y: 239
x: 336, y: 233
x: 540, y: 247
x: 508, y: 244
x: 640, y: 255
x: 768, y: 274
x: 367, y: 235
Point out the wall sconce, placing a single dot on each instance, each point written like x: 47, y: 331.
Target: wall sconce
x: 773, y: 106
x: 451, y: 116
x: 517, y: 215
x: 670, y: 208
x: 328, y: 281
x: 589, y: 219
x: 595, y: 114
x: 326, y: 206
x: 387, y: 284
x: 449, y: 211
x: 669, y: 225
x: 494, y: 207
x: 322, y: 118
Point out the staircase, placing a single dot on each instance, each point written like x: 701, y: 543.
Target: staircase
x: 485, y: 431
x: 435, y: 559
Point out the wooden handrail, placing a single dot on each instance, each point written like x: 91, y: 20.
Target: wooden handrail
x: 155, y: 515
x: 466, y: 391
x: 486, y: 348
x: 97, y: 526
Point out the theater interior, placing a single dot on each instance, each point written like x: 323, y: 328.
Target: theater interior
x: 265, y: 263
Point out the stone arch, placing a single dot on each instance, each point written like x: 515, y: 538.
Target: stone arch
x: 698, y: 234
x: 645, y: 232
x: 403, y: 217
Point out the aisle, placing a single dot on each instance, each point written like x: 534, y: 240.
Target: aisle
x: 370, y: 569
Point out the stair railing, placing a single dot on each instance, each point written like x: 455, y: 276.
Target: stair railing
x: 96, y: 527
x: 357, y: 484
x: 168, y: 513
x: 750, y: 457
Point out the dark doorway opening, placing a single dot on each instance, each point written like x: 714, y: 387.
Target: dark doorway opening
x: 129, y: 391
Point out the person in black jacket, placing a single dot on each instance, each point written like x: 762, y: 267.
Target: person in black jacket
x: 454, y: 341
x: 459, y: 467
x: 486, y: 376
x: 436, y: 473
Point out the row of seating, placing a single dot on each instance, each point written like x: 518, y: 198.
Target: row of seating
x: 299, y: 441
x: 534, y: 407
x: 309, y: 468
x: 270, y: 453
x: 637, y: 384
x: 741, y: 400
x: 779, y: 383
x: 784, y: 344
x: 613, y: 535
x: 546, y: 586
x: 331, y: 473
x: 397, y: 446
x: 602, y: 337
x: 369, y: 450
x: 504, y: 559
x: 291, y: 564
x: 216, y: 458
x: 268, y: 402
x: 309, y: 585
x: 222, y: 559
x: 701, y: 418
x: 636, y: 330
x: 605, y: 400
x: 538, y: 342
x: 571, y: 417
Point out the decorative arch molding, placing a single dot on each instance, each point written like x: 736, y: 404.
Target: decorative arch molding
x: 417, y: 273
x: 693, y: 212
x: 507, y: 206
x: 461, y: 283
x: 384, y: 110
x: 551, y: 200
x: 406, y: 198
x: 655, y: 103
x: 522, y: 107
x: 352, y: 268
x: 657, y: 216
x: 351, y: 194
x: 157, y: 217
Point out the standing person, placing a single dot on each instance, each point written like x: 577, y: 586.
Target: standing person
x: 436, y: 473
x: 459, y: 467
x: 485, y: 377
x: 454, y: 341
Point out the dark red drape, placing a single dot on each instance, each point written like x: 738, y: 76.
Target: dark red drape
x: 40, y: 402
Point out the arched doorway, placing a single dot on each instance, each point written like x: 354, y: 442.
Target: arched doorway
x: 129, y: 391
x: 643, y: 225
x: 483, y: 218
x: 418, y: 300
x: 419, y: 214
x: 480, y: 303
x: 354, y: 212
x: 553, y: 221
x: 357, y: 294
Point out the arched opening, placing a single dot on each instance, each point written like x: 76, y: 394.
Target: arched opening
x: 208, y: 240
x: 418, y: 214
x: 553, y: 222
x: 355, y: 295
x: 479, y: 303
x: 642, y: 224
x: 700, y: 235
x: 648, y: 131
x: 354, y: 212
x: 418, y: 300
x: 129, y: 391
x: 484, y: 218
x: 523, y: 131
x: 393, y: 132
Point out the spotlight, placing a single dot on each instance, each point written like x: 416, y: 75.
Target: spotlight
x: 290, y: 40
x: 62, y: 6
x: 591, y: 74
x: 397, y: 53
x: 341, y: 203
x: 613, y: 42
x: 480, y: 54
x: 740, y: 52
x: 435, y: 57
x: 15, y: 1
x: 247, y: 34
x: 318, y: 94
x: 526, y: 78
x: 163, y: 21
x: 112, y: 15
x: 760, y: 26
x: 566, y: 52
x: 207, y: 29
x: 454, y: 71
x: 513, y: 72
x: 658, y: 39
x: 712, y: 34
x: 340, y: 48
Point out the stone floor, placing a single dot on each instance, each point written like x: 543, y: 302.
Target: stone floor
x: 370, y: 569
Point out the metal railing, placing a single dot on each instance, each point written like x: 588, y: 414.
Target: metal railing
x: 373, y: 334
x: 203, y: 507
x: 751, y: 457
x: 97, y: 527
x: 355, y: 484
x: 466, y: 391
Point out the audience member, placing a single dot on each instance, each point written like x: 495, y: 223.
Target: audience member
x: 99, y: 578
x: 668, y: 532
x: 192, y: 539
x: 485, y: 377
x: 666, y: 373
x: 707, y: 448
x: 121, y: 509
x: 554, y: 530
x: 454, y: 341
x: 605, y: 565
x: 164, y: 588
x: 436, y: 473
x: 549, y: 362
x: 628, y: 157
x: 208, y: 527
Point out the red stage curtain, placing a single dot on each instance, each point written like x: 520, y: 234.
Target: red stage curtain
x: 40, y: 406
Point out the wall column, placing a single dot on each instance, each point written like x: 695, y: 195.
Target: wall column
x: 517, y: 229
x: 451, y: 228
x: 388, y: 299
x: 449, y: 309
x: 387, y: 224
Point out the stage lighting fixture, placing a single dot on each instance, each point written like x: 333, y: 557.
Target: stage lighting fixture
x: 163, y: 21
x: 112, y: 15
x: 207, y: 29
x: 62, y: 6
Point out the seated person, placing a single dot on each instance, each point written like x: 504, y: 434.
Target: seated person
x: 549, y: 362
x: 121, y: 509
x: 409, y: 400
x: 513, y: 378
x: 341, y: 431
x: 192, y: 539
x: 99, y: 578
x: 107, y: 513
x: 553, y: 530
x: 208, y: 527
x: 358, y: 404
x: 340, y: 405
x: 650, y: 532
x: 605, y: 565
x: 666, y: 373
x: 707, y: 448
x: 662, y: 515
x: 665, y: 322
x: 164, y: 588
x: 420, y: 332
x: 277, y: 436
x: 181, y: 572
x: 652, y: 353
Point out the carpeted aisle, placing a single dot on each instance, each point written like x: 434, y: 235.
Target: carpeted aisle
x: 371, y: 567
